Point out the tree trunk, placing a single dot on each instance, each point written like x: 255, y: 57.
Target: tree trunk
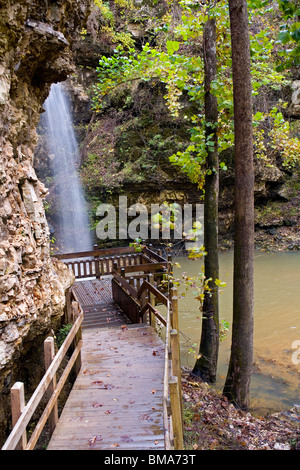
x: 206, y: 365
x: 237, y: 383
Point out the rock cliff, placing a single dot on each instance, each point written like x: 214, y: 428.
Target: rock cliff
x: 36, y: 40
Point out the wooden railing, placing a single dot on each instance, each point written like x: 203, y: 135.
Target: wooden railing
x: 172, y: 379
x: 21, y: 413
x: 138, y: 297
x: 98, y: 263
x: 140, y: 305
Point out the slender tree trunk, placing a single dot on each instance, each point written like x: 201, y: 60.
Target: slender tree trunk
x: 237, y: 383
x: 206, y: 365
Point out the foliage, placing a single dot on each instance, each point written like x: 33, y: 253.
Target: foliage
x: 174, y: 63
x: 272, y: 132
x: 137, y: 244
x: 108, y: 27
x: 62, y: 334
x: 289, y: 35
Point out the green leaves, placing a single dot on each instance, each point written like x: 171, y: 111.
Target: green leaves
x: 289, y: 34
x: 278, y: 138
x: 172, y: 46
x: 290, y: 9
x: 183, y: 73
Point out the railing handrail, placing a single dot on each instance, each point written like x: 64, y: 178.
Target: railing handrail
x: 96, y: 253
x: 172, y: 374
x: 100, y: 262
x: 147, y: 286
x: 145, y: 267
x: 102, y: 252
x: 125, y: 284
x: 26, y: 414
x: 153, y: 255
x: 166, y: 383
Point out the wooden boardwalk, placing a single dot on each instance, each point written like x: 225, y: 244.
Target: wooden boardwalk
x: 117, y: 399
x: 127, y: 392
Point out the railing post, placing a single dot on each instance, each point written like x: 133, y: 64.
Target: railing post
x: 176, y: 413
x: 78, y: 337
x: 17, y: 397
x: 97, y: 268
x: 175, y: 354
x: 170, y: 271
x: 68, y: 306
x: 152, y: 302
x: 174, y: 338
x: 174, y: 300
x: 107, y: 264
x: 143, y: 299
x: 49, y: 354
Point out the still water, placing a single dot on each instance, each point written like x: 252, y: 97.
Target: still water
x: 275, y: 382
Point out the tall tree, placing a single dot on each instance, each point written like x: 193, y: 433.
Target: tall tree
x: 206, y: 364
x: 237, y: 384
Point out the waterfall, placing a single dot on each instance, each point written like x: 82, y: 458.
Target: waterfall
x: 72, y: 231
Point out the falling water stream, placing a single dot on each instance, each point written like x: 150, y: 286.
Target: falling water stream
x: 72, y: 224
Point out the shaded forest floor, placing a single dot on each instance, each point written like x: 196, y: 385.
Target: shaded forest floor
x: 212, y: 423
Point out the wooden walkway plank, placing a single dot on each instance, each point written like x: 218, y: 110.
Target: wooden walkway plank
x: 117, y: 399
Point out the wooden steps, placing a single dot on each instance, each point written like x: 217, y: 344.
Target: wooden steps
x: 99, y: 309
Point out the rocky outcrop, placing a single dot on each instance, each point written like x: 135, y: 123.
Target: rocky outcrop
x: 294, y: 107
x: 36, y: 40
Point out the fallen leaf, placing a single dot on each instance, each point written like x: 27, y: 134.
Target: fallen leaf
x: 95, y: 439
x: 97, y: 405
x: 145, y: 417
x: 102, y: 386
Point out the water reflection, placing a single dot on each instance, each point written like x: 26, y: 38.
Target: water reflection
x: 276, y: 380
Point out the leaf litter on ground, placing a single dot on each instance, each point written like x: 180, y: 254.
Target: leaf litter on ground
x: 211, y: 422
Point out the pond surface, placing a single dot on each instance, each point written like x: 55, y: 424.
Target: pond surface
x: 275, y: 383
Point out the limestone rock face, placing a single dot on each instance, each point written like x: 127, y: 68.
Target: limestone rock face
x: 36, y: 40
x: 293, y: 110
